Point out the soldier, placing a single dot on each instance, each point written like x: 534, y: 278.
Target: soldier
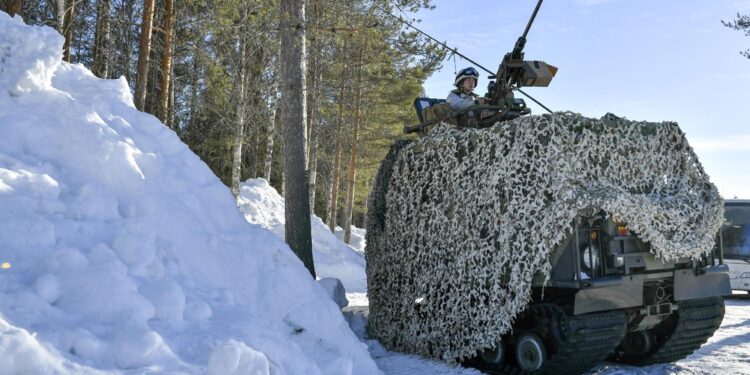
x: 463, y: 97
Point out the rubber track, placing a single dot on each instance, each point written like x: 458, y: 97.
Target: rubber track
x: 697, y: 320
x: 581, y: 341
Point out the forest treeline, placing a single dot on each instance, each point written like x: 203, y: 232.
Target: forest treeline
x: 210, y: 71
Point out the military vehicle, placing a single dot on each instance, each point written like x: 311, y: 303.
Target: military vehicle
x: 543, y: 244
x: 735, y: 242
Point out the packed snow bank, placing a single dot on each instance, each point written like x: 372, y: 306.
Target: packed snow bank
x: 262, y: 205
x: 358, y: 237
x: 124, y: 251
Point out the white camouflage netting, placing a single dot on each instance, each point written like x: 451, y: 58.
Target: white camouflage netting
x: 455, y: 214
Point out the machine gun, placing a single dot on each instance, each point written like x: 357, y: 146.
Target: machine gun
x: 514, y: 72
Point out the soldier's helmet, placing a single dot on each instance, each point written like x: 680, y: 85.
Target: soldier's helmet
x: 469, y: 72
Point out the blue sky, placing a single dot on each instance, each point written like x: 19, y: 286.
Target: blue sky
x: 653, y: 60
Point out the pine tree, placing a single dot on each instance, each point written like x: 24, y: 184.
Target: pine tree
x: 166, y: 62
x: 741, y: 23
x: 194, y: 87
x: 352, y: 173
x: 102, y: 39
x: 296, y: 199
x: 12, y: 7
x: 144, y: 53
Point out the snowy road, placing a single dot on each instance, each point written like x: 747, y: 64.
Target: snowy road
x: 727, y: 352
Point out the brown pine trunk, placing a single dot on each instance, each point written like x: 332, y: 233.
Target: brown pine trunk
x: 141, y: 79
x: 336, y: 166
x: 352, y: 175
x: 166, y: 61
x: 13, y: 7
x: 334, y: 189
x: 69, y: 17
x: 172, y: 89
x: 329, y: 192
x: 296, y: 199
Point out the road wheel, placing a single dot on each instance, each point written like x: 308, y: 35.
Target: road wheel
x: 638, y: 343
x: 494, y: 356
x: 530, y: 352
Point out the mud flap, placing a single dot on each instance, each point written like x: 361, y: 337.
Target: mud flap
x: 618, y: 293
x: 713, y: 282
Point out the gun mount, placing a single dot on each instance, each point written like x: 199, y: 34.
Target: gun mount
x: 513, y: 73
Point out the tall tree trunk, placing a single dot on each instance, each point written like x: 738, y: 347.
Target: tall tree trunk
x: 333, y: 214
x: 313, y: 167
x: 144, y: 51
x: 312, y: 105
x: 270, y: 134
x: 60, y: 16
x: 283, y: 174
x: 166, y: 61
x: 238, y: 138
x: 70, y: 13
x: 335, y: 184
x: 329, y: 192
x: 240, y: 121
x: 252, y: 157
x: 352, y: 175
x: 297, y: 200
x: 172, y: 89
x: 194, y: 88
x: 126, y: 63
x: 101, y: 39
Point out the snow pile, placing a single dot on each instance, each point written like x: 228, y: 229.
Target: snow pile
x: 262, y: 205
x: 124, y: 251
x: 357, y: 237
x: 462, y: 220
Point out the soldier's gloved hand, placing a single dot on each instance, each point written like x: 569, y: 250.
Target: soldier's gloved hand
x: 480, y: 100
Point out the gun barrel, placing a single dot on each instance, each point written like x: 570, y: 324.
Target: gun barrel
x: 533, y: 15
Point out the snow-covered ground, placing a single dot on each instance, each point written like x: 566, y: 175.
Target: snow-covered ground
x: 262, y: 205
x: 120, y: 251
x: 727, y: 352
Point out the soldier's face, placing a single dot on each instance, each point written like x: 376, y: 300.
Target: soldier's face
x: 468, y: 84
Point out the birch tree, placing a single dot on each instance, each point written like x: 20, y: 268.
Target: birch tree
x: 270, y: 133
x: 60, y: 16
x: 241, y: 77
x: 313, y: 100
x: 70, y: 12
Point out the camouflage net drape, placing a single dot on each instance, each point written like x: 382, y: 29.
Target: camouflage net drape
x: 461, y: 220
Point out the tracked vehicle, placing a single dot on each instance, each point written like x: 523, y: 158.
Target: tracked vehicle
x: 609, y: 297
x: 543, y: 244
x: 605, y: 296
